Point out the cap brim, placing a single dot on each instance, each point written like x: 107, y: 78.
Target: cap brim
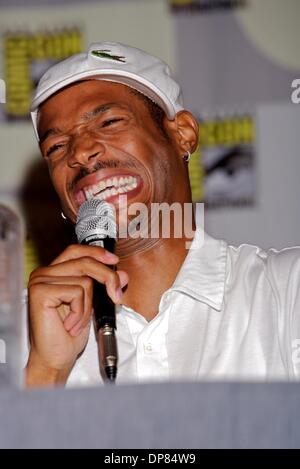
x: 127, y: 78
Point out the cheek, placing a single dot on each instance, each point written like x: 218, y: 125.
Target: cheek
x: 164, y: 164
x: 169, y: 176
x: 58, y: 179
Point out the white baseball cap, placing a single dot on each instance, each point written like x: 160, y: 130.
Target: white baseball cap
x: 115, y: 62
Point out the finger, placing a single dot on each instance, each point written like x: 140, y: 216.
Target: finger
x: 77, y: 251
x: 84, y: 267
x: 49, y: 298
x: 123, y: 276
x: 86, y: 283
x: 80, y: 329
x: 77, y: 328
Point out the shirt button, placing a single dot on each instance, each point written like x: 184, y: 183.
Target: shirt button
x: 148, y: 348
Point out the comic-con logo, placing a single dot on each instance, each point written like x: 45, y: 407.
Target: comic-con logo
x: 27, y: 56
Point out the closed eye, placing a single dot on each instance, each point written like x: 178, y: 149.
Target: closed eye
x: 54, y: 148
x: 110, y: 121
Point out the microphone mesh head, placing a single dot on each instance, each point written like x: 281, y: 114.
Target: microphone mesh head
x: 96, y: 219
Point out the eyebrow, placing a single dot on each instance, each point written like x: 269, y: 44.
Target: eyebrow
x: 85, y: 118
x: 98, y: 110
x: 49, y: 133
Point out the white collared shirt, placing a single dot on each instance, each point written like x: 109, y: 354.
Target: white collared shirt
x: 231, y: 314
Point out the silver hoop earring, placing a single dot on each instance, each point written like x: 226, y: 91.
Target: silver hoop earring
x: 187, y: 157
x: 63, y: 216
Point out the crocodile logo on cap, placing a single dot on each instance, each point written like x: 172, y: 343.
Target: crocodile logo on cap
x: 106, y: 54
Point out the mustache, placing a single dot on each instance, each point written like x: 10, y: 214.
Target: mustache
x: 109, y: 164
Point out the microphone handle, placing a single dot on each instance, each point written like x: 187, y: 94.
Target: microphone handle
x: 105, y: 321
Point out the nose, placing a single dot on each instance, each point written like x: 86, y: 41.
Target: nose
x: 85, y: 149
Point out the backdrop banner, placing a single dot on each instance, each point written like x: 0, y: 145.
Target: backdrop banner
x: 237, y: 77
x: 34, y: 35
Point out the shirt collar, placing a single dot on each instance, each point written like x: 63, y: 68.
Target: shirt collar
x: 203, y: 272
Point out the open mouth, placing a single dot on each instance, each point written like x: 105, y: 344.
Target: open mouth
x: 110, y: 187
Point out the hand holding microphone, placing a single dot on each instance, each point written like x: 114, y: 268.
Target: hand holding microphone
x: 60, y: 309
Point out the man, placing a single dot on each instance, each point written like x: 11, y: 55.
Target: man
x: 112, y: 122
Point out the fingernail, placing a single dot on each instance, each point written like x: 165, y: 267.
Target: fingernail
x: 111, y: 256
x: 119, y: 294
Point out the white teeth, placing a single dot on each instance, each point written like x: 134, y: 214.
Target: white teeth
x: 102, y: 185
x: 88, y: 193
x: 120, y: 186
x: 104, y: 195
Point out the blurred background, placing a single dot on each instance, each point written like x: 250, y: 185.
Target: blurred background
x: 236, y: 61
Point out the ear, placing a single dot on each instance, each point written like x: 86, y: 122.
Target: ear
x: 184, y: 131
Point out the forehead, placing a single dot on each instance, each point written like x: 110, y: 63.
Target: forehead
x: 78, y: 98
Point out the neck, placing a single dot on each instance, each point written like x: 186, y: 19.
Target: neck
x: 152, y: 266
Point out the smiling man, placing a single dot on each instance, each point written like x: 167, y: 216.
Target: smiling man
x: 111, y: 122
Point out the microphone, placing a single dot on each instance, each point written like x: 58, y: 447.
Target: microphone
x: 96, y: 226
